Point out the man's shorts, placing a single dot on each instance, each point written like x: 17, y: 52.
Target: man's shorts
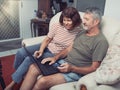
x: 70, y: 76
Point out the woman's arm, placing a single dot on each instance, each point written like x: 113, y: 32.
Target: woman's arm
x: 44, y: 44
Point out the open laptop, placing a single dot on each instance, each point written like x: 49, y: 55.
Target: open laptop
x: 45, y: 69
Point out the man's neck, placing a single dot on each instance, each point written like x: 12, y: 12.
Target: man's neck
x: 93, y: 32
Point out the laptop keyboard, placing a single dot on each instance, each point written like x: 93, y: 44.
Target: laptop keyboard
x: 47, y: 69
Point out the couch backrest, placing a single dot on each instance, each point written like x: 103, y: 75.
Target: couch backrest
x: 109, y: 26
x: 54, y: 19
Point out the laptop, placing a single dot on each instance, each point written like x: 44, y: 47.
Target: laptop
x: 45, y: 69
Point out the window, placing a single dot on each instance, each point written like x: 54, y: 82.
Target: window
x: 81, y: 5
x: 9, y: 19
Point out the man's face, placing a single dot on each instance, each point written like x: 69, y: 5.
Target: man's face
x: 67, y: 22
x: 88, y: 21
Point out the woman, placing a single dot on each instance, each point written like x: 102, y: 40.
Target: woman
x: 59, y: 38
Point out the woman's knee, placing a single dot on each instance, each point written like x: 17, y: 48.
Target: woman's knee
x: 21, y: 53
x: 19, y: 57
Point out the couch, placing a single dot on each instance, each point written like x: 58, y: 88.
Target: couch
x: 110, y: 27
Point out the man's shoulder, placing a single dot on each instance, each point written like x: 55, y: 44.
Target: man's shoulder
x: 81, y: 32
x: 101, y: 39
x: 101, y: 36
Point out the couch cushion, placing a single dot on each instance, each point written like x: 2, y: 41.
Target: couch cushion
x: 106, y: 87
x: 109, y: 70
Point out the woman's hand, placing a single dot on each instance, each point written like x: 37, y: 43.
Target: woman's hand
x: 37, y: 54
x: 49, y: 59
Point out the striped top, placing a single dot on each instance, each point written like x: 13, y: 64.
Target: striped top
x: 62, y: 38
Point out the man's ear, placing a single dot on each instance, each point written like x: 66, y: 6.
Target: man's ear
x: 96, y: 21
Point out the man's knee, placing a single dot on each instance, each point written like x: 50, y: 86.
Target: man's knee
x: 33, y: 68
x: 41, y: 84
x: 42, y: 80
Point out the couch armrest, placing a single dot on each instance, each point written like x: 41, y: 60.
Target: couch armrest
x: 65, y: 86
x: 32, y: 41
x: 88, y: 81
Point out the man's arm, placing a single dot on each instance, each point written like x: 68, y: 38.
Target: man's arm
x: 65, y: 67
x: 86, y: 70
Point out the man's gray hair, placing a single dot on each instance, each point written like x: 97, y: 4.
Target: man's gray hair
x: 97, y: 14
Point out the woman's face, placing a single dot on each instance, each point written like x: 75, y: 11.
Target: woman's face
x: 67, y: 23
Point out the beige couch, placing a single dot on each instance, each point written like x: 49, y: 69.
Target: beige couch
x: 110, y: 28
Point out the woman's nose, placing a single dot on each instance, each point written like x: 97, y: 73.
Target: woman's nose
x: 66, y: 22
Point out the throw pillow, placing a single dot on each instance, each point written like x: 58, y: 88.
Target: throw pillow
x: 109, y: 70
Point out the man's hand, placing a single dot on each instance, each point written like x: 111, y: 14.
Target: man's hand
x: 65, y: 67
x: 49, y: 59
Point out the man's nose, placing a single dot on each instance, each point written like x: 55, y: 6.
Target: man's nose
x: 83, y: 22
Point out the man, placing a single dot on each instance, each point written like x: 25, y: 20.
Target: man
x: 85, y: 56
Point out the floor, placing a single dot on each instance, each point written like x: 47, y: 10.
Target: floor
x: 8, y: 49
x: 7, y: 70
